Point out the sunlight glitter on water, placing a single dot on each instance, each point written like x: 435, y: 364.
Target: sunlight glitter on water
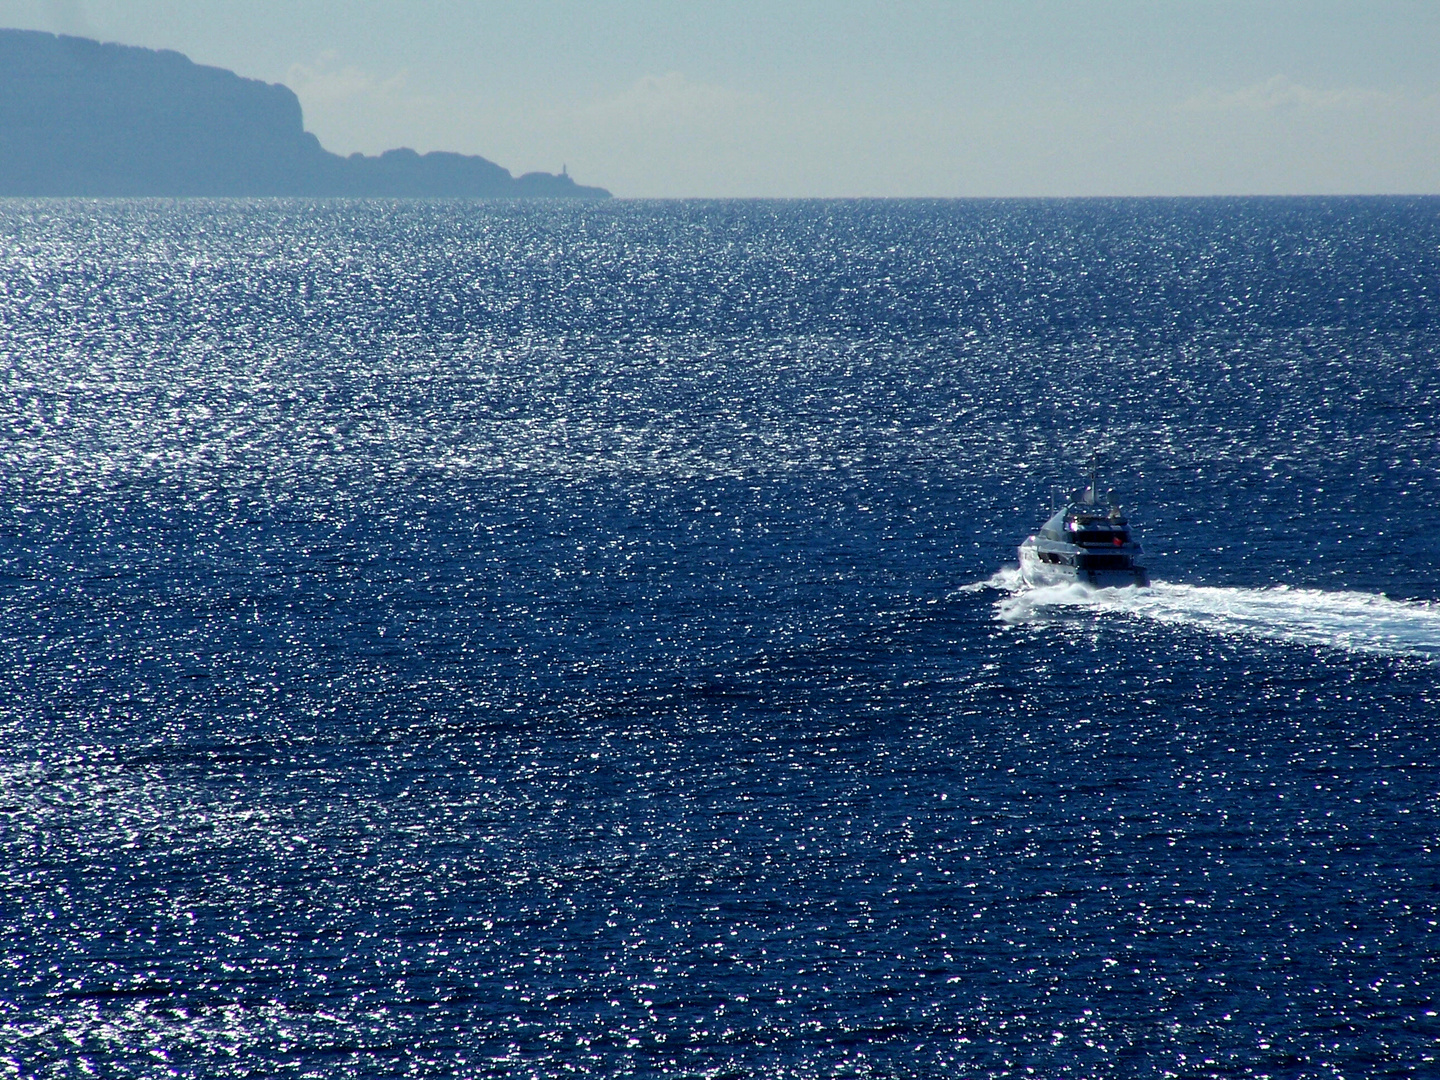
x: 465, y: 639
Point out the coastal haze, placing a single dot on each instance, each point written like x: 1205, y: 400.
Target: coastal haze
x: 78, y: 117
x: 844, y: 98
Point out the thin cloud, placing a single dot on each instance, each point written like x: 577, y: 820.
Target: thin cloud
x: 69, y: 17
x: 1279, y: 93
x: 322, y: 83
x: 669, y: 101
x: 351, y: 109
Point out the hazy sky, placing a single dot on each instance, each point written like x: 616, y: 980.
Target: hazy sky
x: 844, y: 97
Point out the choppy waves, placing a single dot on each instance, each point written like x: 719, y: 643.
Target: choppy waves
x: 464, y: 639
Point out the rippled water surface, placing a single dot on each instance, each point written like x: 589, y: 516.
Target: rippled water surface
x: 479, y: 640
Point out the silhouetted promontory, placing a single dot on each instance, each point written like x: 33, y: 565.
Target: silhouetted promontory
x: 78, y: 117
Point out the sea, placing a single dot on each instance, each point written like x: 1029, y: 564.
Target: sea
x: 536, y: 639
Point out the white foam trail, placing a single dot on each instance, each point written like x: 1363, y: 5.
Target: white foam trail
x: 1007, y: 578
x: 1353, y: 621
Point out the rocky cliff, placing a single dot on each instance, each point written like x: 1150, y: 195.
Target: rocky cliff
x: 78, y: 117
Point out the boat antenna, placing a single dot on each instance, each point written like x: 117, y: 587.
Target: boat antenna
x: 1090, y: 491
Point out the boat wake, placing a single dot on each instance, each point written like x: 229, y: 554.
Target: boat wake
x: 1351, y: 621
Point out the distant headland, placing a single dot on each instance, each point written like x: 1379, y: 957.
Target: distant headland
x: 82, y: 118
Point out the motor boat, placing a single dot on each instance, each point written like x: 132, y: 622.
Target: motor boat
x: 1085, y: 543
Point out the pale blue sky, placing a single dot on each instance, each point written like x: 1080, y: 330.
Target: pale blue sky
x: 845, y: 97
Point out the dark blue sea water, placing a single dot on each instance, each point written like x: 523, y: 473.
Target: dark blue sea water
x: 533, y: 640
